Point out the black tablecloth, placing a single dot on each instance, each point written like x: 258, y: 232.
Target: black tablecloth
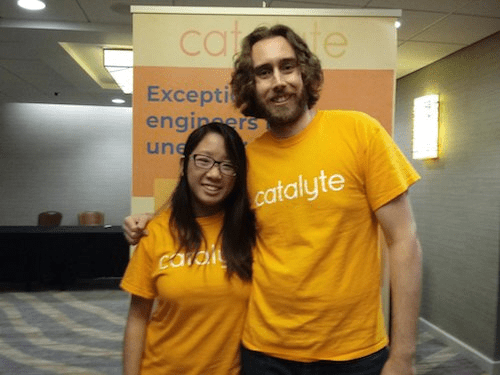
x: 60, y: 255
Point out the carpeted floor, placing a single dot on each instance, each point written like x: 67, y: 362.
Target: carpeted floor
x: 80, y: 331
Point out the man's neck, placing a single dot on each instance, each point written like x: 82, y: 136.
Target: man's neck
x: 289, y: 130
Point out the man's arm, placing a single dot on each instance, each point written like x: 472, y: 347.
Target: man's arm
x: 135, y: 334
x: 405, y: 263
x: 134, y: 227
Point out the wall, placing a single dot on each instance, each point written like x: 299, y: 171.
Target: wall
x: 64, y: 158
x: 457, y: 203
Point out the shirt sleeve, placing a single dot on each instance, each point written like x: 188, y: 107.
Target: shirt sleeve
x: 138, y: 278
x: 388, y: 173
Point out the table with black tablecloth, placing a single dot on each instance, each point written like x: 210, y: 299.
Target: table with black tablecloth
x: 62, y: 254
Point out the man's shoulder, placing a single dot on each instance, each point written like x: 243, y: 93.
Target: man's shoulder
x: 350, y: 120
x: 346, y: 114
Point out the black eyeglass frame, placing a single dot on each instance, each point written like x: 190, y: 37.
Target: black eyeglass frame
x: 221, y: 165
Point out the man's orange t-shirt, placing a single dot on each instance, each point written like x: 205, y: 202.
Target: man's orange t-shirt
x: 316, y: 273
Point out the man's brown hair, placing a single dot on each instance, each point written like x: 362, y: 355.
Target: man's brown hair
x: 243, y: 77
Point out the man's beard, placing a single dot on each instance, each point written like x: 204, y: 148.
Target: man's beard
x: 285, y: 115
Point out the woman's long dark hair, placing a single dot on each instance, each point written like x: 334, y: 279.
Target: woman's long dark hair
x: 238, y: 231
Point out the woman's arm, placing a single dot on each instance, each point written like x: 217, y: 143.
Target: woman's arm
x: 135, y: 334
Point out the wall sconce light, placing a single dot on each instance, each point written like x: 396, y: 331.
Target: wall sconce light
x: 31, y: 4
x: 425, y: 127
x: 119, y: 63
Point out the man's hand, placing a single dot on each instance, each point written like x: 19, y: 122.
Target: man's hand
x: 134, y: 227
x: 398, y: 366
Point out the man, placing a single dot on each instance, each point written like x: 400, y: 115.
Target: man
x: 321, y: 182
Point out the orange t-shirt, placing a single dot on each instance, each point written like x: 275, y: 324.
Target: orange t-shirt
x: 316, y: 273
x: 196, y: 326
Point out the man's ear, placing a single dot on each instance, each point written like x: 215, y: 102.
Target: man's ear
x: 181, y: 166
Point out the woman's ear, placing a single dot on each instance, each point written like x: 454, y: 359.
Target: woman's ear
x: 181, y: 166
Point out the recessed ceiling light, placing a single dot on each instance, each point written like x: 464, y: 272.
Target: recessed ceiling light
x: 119, y: 63
x: 118, y: 101
x: 31, y: 4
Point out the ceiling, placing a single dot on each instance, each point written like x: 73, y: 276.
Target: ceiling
x: 55, y: 55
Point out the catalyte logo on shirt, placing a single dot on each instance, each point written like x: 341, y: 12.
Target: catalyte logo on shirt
x: 202, y: 258
x: 300, y: 188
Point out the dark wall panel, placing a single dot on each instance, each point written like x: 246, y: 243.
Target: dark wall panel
x: 457, y: 203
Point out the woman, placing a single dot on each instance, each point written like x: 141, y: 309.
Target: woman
x: 196, y: 264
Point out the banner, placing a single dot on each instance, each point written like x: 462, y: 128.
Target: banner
x: 183, y: 60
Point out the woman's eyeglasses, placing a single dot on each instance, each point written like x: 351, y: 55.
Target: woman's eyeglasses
x: 206, y: 162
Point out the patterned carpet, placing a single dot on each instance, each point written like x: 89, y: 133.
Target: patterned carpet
x: 81, y: 331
